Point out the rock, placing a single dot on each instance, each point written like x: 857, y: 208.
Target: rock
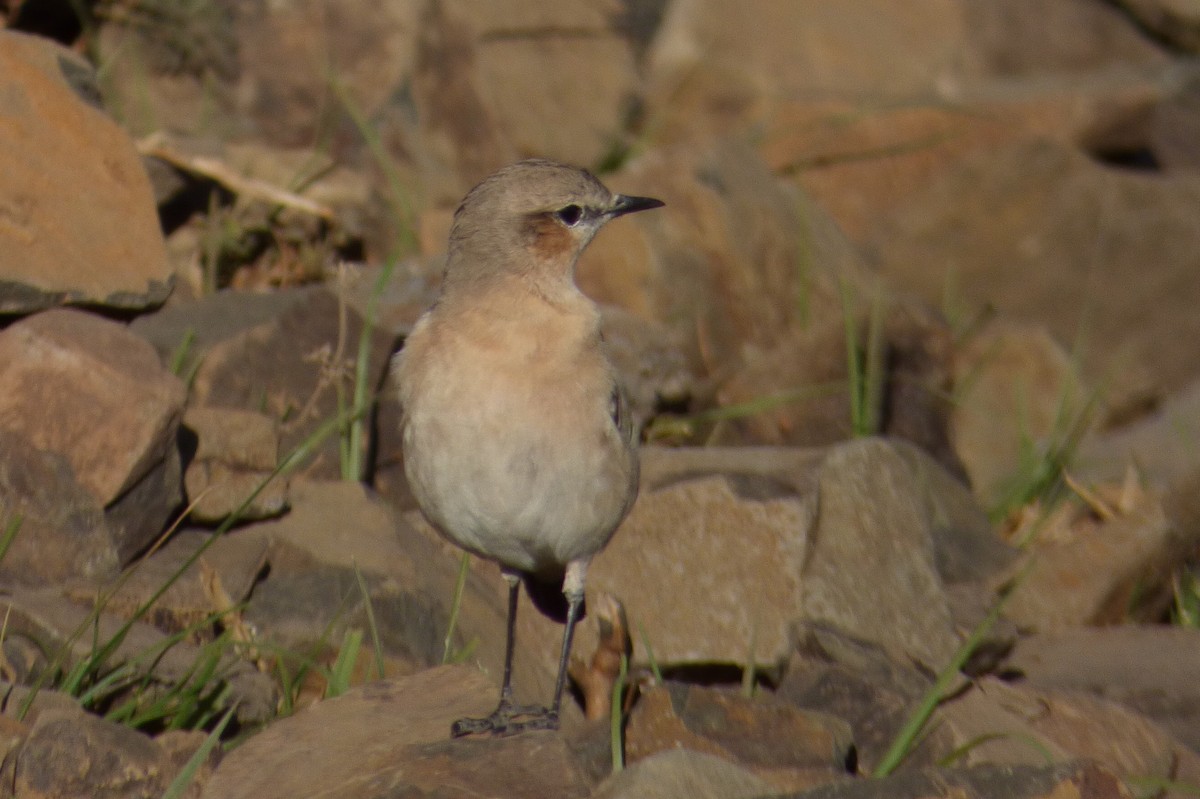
x: 997, y: 723
x: 287, y: 355
x: 1046, y: 206
x: 802, y: 385
x: 1159, y: 443
x: 873, y: 529
x: 725, y: 550
x: 214, y: 582
x: 236, y: 453
x: 1019, y: 393
x: 865, y: 161
x: 393, y: 736
x: 1112, y: 662
x: 990, y: 723
x: 73, y: 754
x: 1176, y: 21
x: 853, y: 680
x: 683, y: 774
x: 1082, y: 779
x: 58, y: 243
x: 1017, y: 37
x: 785, y: 745
x: 710, y: 568
x: 1090, y: 573
x: 714, y: 69
x: 312, y: 594
x: 88, y: 408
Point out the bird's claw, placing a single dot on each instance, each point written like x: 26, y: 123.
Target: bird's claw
x: 507, y: 720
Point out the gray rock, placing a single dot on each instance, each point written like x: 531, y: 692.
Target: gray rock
x: 58, y: 243
x: 874, y: 530
x: 854, y: 680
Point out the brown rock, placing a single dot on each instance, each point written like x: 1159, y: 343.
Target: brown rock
x: 392, y: 736
x: 1147, y: 668
x: 1083, y: 780
x: 725, y: 551
x: 88, y: 407
x: 684, y: 774
x: 715, y: 68
x: 71, y: 755
x: 1028, y: 238
x: 1018, y: 37
x: 710, y: 568
x: 1018, y: 386
x: 785, y: 745
x: 236, y: 452
x: 1090, y: 573
x: 1176, y: 21
x: 293, y: 367
x: 214, y: 582
x: 82, y: 386
x: 77, y: 222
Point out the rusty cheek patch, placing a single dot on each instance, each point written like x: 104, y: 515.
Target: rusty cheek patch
x: 547, y: 239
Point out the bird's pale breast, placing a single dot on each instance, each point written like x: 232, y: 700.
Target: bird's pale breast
x: 510, y: 447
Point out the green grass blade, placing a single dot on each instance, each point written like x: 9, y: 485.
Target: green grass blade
x: 376, y: 643
x: 183, y: 779
x: 460, y: 586
x: 343, y: 668
x: 616, y: 717
x: 10, y: 533
x: 658, y: 676
x: 904, y: 741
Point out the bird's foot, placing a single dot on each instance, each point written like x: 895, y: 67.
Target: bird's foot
x: 508, y: 720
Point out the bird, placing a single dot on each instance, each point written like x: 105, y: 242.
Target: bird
x: 517, y: 442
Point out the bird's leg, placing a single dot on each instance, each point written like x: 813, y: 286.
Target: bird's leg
x: 508, y: 719
x: 573, y: 591
x: 500, y: 718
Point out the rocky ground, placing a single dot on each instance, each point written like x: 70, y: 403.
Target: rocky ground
x: 912, y: 345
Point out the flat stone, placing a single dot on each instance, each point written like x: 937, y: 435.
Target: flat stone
x: 77, y: 218
x: 684, y: 774
x: 1147, y: 668
x: 1080, y: 780
x: 393, y: 737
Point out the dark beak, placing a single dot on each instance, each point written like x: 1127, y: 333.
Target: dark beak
x: 624, y: 204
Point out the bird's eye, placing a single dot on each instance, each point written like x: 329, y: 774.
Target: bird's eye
x: 569, y: 215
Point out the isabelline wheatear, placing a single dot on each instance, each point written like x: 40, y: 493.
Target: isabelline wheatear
x: 517, y: 444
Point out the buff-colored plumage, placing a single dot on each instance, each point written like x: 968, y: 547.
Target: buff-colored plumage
x: 516, y: 442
